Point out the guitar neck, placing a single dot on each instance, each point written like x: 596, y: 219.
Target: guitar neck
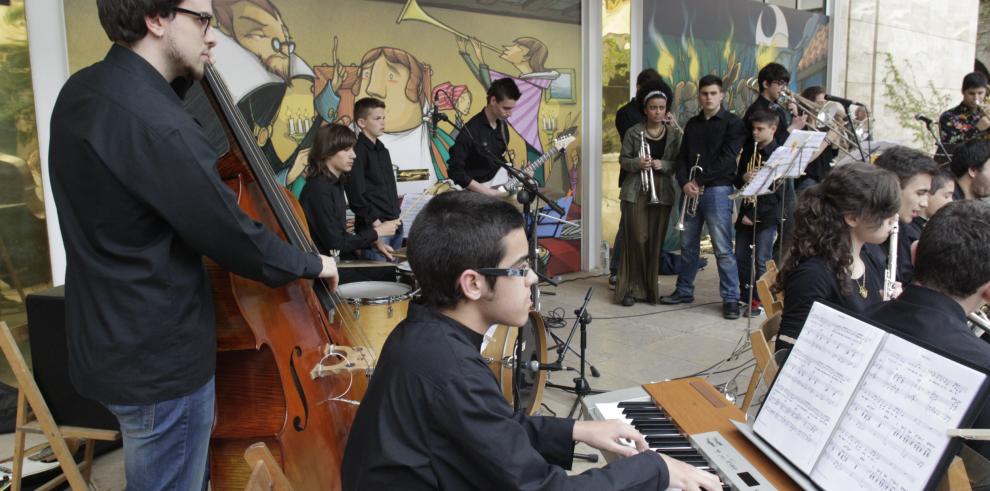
x: 536, y: 164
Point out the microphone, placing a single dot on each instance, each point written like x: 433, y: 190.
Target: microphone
x: 536, y: 366
x: 924, y: 119
x: 842, y: 100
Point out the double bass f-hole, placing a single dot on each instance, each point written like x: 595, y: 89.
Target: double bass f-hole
x: 297, y: 423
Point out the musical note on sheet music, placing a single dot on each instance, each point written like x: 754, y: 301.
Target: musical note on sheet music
x: 893, y: 433
x: 811, y: 392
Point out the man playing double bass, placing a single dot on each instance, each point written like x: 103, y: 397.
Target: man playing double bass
x: 139, y: 203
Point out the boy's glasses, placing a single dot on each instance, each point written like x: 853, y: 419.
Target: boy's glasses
x: 203, y: 18
x: 518, y: 272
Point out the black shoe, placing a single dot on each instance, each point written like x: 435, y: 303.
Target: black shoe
x: 676, y: 298
x: 611, y: 281
x: 730, y: 310
x: 628, y: 301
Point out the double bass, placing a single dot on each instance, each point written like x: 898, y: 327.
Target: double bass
x: 288, y: 373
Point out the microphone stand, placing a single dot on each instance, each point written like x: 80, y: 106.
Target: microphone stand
x: 938, y: 141
x: 852, y: 129
x: 581, y: 387
x: 526, y: 197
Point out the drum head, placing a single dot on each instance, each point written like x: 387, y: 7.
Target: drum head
x: 373, y: 290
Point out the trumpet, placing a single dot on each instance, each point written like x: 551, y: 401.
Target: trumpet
x: 824, y: 116
x: 979, y: 321
x: 690, y: 204
x: 646, y: 175
x: 982, y: 108
x: 890, y: 275
x: 754, y: 164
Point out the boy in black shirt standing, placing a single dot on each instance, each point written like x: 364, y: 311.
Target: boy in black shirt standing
x: 713, y: 139
x: 759, y: 221
x: 370, y: 186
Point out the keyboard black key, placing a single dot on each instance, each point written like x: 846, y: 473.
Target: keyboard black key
x: 625, y: 404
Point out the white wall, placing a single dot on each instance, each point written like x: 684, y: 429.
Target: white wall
x: 937, y: 39
x: 49, y: 71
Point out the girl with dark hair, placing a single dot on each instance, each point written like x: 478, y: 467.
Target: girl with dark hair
x: 648, y: 148
x: 833, y: 255
x: 322, y: 200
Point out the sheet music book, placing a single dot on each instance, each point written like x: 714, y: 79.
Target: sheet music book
x: 791, y: 158
x: 412, y: 204
x: 856, y: 407
x: 788, y: 160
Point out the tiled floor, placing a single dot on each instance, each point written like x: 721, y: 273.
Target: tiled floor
x: 629, y: 346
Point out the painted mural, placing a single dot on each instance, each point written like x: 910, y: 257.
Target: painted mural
x: 293, y: 65
x: 687, y: 39
x: 24, y: 260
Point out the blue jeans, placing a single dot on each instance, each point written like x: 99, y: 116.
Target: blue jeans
x: 715, y: 210
x: 395, y: 241
x: 765, y: 235
x: 166, y: 443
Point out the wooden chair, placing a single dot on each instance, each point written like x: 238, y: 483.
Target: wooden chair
x: 772, y: 302
x: 761, y: 341
x: 266, y: 475
x: 28, y: 394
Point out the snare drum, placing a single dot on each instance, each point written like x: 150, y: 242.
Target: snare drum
x: 404, y: 274
x: 378, y: 306
x: 500, y: 355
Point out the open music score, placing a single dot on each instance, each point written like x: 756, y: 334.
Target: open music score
x: 809, y: 397
x: 788, y: 160
x: 856, y: 407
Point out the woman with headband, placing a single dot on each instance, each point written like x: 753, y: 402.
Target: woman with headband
x: 648, y: 148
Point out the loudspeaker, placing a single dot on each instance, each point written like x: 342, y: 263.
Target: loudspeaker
x: 50, y: 363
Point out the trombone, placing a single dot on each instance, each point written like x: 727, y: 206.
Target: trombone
x: 824, y: 116
x: 646, y: 175
x: 412, y: 11
x: 690, y: 204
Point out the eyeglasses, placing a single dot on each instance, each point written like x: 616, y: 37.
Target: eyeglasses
x: 517, y: 272
x: 290, y: 46
x: 204, y: 18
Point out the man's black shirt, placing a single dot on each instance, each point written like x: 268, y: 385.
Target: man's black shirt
x: 474, y: 154
x: 323, y: 202
x: 938, y: 320
x: 139, y: 203
x: 370, y: 185
x: 907, y: 234
x: 434, y: 418
x: 718, y: 140
x: 784, y: 120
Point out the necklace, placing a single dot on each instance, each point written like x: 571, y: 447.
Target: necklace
x: 863, y: 292
x: 660, y: 132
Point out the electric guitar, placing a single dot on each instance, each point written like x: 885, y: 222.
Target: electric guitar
x: 503, y: 181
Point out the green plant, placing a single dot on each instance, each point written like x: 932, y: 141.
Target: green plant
x: 905, y: 99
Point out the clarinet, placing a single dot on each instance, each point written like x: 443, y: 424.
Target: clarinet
x: 890, y: 275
